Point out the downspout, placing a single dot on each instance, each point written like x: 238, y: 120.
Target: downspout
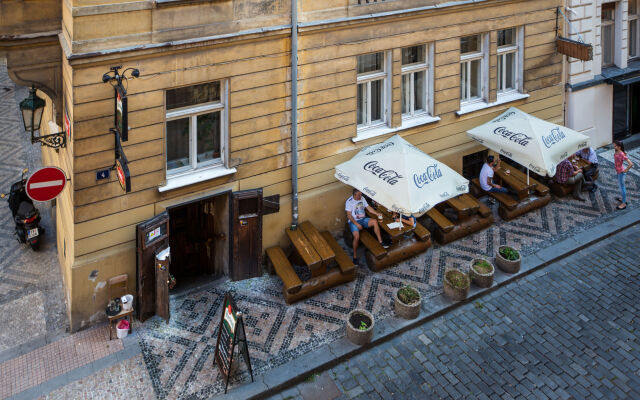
x: 294, y: 114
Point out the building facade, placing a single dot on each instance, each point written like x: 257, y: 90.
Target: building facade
x: 603, y: 96
x: 210, y: 117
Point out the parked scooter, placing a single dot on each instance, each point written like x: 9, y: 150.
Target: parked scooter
x: 25, y: 215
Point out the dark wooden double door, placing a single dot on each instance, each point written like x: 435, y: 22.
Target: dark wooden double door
x: 626, y: 110
x: 209, y: 237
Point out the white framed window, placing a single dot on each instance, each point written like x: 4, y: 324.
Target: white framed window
x: 634, y: 30
x: 415, y: 81
x: 195, y: 127
x: 372, y: 89
x: 473, y: 85
x: 607, y: 34
x: 508, y: 61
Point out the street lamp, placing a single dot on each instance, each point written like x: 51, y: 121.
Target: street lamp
x: 31, y: 109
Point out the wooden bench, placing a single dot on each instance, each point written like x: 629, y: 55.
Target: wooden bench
x: 283, y: 268
x: 561, y: 189
x: 317, y: 241
x: 421, y: 232
x: 372, y: 244
x: 484, y: 210
x: 345, y: 263
x: 503, y: 198
x: 443, y: 222
x: 541, y: 189
x: 304, y: 248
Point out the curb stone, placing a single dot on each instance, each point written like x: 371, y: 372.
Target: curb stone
x: 329, y: 355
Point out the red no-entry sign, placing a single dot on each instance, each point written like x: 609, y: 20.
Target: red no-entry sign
x: 46, y: 184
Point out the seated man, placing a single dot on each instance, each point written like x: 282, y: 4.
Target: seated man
x: 355, y: 207
x: 486, y: 177
x: 567, y: 173
x: 589, y: 155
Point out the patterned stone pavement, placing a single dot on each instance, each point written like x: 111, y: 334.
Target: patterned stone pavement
x: 570, y: 330
x: 126, y: 380
x: 31, y: 288
x: 55, y: 359
x: 179, y: 355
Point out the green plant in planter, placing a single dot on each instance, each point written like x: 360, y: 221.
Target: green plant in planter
x: 363, y: 326
x: 509, y: 253
x: 482, y: 267
x: 458, y: 279
x: 408, y: 295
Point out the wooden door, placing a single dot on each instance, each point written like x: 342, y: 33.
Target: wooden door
x: 246, y: 229
x: 207, y: 231
x: 151, y: 235
x: 162, y: 261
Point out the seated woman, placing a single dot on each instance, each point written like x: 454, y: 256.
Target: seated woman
x: 405, y: 219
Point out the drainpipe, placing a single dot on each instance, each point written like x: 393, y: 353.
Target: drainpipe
x: 294, y: 114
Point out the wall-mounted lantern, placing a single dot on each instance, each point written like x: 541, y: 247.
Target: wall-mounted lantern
x: 32, y: 108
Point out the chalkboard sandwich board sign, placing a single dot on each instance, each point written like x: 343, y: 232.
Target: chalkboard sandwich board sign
x: 230, y: 333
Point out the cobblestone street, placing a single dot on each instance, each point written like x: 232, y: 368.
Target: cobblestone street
x: 567, y: 331
x: 31, y: 289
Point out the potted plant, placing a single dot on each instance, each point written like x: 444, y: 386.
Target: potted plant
x: 456, y: 284
x: 407, y: 302
x: 360, y: 326
x: 508, y: 259
x: 481, y: 272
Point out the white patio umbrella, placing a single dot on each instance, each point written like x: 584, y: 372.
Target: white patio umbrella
x: 402, y: 178
x: 537, y: 144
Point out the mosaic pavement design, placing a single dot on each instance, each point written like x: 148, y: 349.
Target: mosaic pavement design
x: 179, y: 355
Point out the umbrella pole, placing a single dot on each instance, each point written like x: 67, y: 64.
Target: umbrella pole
x: 527, y: 176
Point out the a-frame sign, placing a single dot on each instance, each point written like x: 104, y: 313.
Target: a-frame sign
x: 230, y: 333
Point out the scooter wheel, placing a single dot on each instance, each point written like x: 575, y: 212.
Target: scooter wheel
x: 34, y: 245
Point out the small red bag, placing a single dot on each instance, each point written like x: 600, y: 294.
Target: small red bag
x: 123, y: 324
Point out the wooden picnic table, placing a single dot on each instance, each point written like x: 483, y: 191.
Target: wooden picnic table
x: 387, y: 219
x: 317, y: 251
x: 517, y: 180
x: 580, y: 163
x: 464, y: 205
x: 312, y: 248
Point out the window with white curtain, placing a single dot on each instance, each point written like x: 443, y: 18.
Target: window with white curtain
x: 194, y: 127
x: 607, y: 34
x: 372, y: 77
x: 415, y: 85
x: 508, y: 79
x: 472, y: 76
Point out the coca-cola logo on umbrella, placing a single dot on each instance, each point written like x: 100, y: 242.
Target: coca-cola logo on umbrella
x: 503, y: 117
x: 555, y: 136
x: 431, y: 173
x: 387, y: 175
x: 516, y: 137
x: 379, y: 148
